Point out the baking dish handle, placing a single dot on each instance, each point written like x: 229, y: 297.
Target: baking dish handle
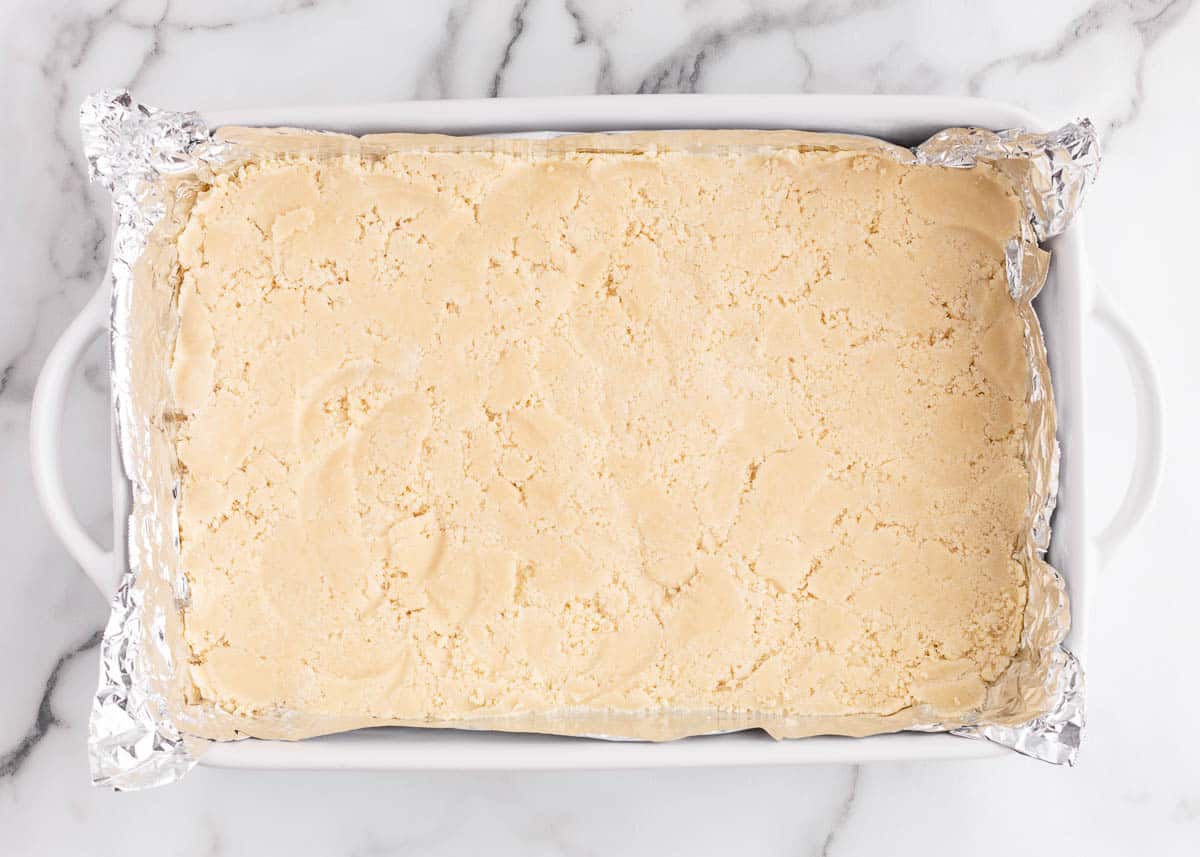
x: 1148, y: 453
x: 45, y: 421
x: 49, y: 399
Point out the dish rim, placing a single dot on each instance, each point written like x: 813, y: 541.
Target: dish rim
x: 902, y: 119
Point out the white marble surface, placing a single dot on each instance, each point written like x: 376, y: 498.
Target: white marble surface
x: 1131, y: 65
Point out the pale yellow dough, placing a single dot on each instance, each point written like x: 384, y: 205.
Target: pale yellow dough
x: 480, y: 433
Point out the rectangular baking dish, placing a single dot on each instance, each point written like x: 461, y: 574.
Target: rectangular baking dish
x: 1064, y: 305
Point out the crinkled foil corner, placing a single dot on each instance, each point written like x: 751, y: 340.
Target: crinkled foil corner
x: 143, y: 734
x: 132, y: 740
x: 1054, y: 169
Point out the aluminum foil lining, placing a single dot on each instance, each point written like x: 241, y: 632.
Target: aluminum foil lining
x: 1052, y: 171
x: 142, y: 734
x: 132, y: 740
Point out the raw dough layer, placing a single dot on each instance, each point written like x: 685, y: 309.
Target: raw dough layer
x: 709, y: 423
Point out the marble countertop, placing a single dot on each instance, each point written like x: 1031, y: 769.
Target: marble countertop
x: 1131, y: 65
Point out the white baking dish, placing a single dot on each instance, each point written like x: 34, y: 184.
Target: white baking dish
x: 1065, y: 306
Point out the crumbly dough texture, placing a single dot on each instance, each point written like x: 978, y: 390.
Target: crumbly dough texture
x: 724, y: 423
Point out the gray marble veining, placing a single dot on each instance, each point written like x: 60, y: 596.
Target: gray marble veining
x: 1131, y: 65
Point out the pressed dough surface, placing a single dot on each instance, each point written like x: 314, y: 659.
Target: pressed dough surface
x: 482, y: 433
